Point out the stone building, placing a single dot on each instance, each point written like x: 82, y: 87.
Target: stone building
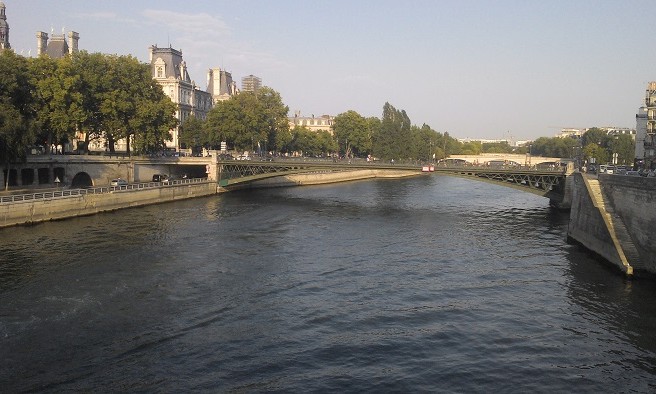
x: 645, y: 150
x: 220, y: 84
x: 324, y: 122
x: 170, y: 71
x: 251, y: 83
x: 56, y: 47
x: 4, y: 28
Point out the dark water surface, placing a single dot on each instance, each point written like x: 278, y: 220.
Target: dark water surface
x: 424, y: 284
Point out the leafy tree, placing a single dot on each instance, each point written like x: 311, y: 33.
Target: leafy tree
x: 391, y: 142
x: 94, y: 84
x: 250, y: 119
x: 472, y: 148
x: 154, y: 120
x: 192, y: 133
x: 624, y: 146
x: 596, y: 152
x: 241, y: 121
x: 17, y: 113
x: 594, y: 135
x: 554, y: 147
x: 275, y: 113
x: 424, y: 143
x: 351, y: 130
x: 59, y: 99
x: 120, y: 107
x: 497, y: 147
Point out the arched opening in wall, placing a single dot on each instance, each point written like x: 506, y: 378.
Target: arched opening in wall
x: 59, y: 173
x: 44, y: 176
x: 81, y: 179
x: 27, y: 176
x: 12, y: 177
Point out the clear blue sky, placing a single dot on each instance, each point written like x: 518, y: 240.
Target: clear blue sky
x: 478, y: 69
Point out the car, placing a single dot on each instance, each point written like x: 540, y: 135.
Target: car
x: 159, y: 177
x: 118, y: 182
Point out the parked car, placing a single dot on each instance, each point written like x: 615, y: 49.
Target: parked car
x: 118, y: 182
x: 159, y: 177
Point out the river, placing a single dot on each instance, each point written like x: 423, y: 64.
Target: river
x: 424, y: 284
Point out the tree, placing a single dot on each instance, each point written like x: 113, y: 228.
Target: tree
x: 391, y: 141
x: 58, y: 97
x: 250, y: 119
x: 192, y: 133
x: 241, y: 121
x: 624, y: 146
x: 275, y: 113
x: 351, y: 130
x: 154, y: 120
x: 596, y: 152
x: 94, y: 84
x: 17, y: 114
x: 554, y: 147
x: 594, y: 135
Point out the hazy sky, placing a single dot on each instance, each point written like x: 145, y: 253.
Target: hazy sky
x: 485, y: 69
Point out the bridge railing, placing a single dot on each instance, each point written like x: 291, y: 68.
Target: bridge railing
x: 66, y: 193
x: 554, y: 169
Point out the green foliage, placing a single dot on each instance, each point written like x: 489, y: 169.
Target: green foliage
x: 497, y: 147
x: 391, y: 140
x: 555, y: 147
x: 275, y: 114
x: 311, y: 143
x: 17, y: 115
x: 353, y: 134
x: 472, y: 148
x: 240, y: 121
x: 192, y: 133
x: 596, y: 152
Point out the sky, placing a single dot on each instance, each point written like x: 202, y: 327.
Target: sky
x: 497, y: 69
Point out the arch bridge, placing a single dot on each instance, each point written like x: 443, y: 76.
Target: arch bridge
x: 546, y: 182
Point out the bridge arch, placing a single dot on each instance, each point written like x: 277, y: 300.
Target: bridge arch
x: 81, y: 179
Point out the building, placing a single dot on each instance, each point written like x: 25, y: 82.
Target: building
x: 57, y: 46
x: 220, y: 84
x: 570, y: 132
x: 322, y: 123
x: 170, y: 71
x: 645, y: 150
x: 4, y: 28
x: 251, y: 83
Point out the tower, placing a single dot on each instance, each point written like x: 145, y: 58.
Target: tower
x: 4, y: 28
x: 251, y: 83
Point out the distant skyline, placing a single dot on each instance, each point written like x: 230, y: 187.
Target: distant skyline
x: 476, y: 69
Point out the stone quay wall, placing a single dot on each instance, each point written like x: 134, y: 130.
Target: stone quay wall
x: 634, y: 200
x: 45, y: 209
x: 629, y: 200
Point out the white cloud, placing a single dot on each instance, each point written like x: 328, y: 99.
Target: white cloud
x: 195, y: 25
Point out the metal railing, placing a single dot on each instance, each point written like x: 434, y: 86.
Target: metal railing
x: 67, y: 193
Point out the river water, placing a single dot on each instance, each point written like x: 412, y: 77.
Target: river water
x: 430, y: 283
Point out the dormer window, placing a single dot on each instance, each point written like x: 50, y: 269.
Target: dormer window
x: 160, y: 68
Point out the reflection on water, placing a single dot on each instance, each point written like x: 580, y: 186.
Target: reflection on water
x: 424, y: 284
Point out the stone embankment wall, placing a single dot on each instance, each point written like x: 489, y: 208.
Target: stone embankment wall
x: 633, y: 199
x: 629, y: 201
x: 40, y: 210
x: 330, y: 177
